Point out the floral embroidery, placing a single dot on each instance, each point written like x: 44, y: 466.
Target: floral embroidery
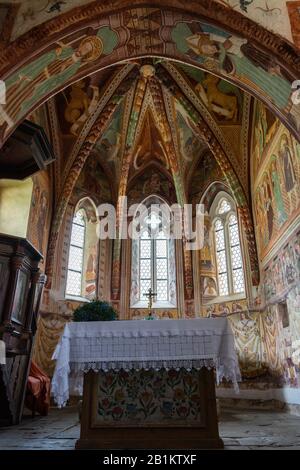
x: 149, y: 396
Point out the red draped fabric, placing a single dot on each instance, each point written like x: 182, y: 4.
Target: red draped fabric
x: 38, y: 390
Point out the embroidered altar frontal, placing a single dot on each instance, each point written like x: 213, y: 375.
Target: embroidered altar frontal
x: 149, y: 397
x: 147, y: 384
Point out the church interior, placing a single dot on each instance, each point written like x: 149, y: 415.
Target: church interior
x: 165, y: 102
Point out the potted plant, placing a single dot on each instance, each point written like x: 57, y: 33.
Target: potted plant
x: 97, y: 310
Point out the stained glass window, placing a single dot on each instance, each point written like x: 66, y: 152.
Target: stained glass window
x: 76, y: 252
x: 228, y: 250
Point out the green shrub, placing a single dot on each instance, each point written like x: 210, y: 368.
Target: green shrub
x: 97, y: 310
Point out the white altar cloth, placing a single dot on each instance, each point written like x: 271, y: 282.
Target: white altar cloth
x: 136, y: 344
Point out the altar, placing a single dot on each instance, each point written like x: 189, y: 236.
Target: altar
x: 146, y: 384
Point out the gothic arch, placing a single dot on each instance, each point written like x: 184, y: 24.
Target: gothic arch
x: 89, y: 207
x: 211, y: 191
x: 85, y: 218
x: 207, y: 198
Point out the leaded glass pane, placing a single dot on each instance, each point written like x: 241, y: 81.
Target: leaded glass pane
x: 232, y: 219
x: 145, y: 235
x: 218, y: 225
x: 145, y: 285
x: 75, y: 263
x: 79, y: 218
x: 161, y: 248
x: 224, y: 207
x: 74, y: 283
x: 75, y: 258
x: 223, y: 284
x: 221, y: 262
x: 145, y: 269
x: 238, y: 281
x: 161, y: 235
x: 220, y: 242
x: 162, y: 290
x: 161, y: 268
x: 234, y: 235
x: 236, y: 257
x: 145, y: 248
x: 77, y: 236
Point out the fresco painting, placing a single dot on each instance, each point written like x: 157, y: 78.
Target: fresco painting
x: 206, y: 172
x: 53, y: 69
x: 209, y: 287
x: 93, y: 182
x: 217, y: 50
x: 224, y: 308
x: 276, y: 15
x: 40, y: 212
x: 223, y: 99
x: 294, y: 15
x: 110, y: 143
x: 207, y: 251
x: 31, y: 13
x: 164, y: 314
x: 277, y: 182
x: 267, y: 352
x: 283, y: 271
x: 81, y: 100
x: 190, y: 145
x: 151, y: 181
x: 264, y: 128
x: 277, y: 187
x: 122, y: 37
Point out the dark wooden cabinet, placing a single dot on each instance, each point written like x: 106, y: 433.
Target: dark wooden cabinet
x: 21, y: 284
x: 26, y: 151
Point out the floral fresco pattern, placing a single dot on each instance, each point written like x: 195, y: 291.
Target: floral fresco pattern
x: 149, y: 396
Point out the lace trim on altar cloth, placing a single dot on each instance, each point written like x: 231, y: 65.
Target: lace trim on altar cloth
x: 74, y: 383
x: 146, y: 333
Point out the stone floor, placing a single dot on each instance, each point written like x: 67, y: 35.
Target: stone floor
x: 239, y: 429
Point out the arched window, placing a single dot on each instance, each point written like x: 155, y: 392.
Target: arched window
x: 153, y: 263
x: 76, y: 255
x: 228, y: 247
x: 82, y: 274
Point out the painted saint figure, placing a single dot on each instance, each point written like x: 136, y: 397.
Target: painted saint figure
x: 220, y: 51
x: 281, y: 213
x: 289, y: 176
x: 210, y: 287
x: 33, y: 81
x: 268, y: 207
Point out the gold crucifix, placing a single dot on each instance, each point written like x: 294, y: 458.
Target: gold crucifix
x: 150, y: 295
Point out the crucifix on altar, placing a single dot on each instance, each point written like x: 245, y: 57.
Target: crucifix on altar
x: 150, y: 296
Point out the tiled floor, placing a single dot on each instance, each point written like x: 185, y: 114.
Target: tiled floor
x: 239, y: 430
